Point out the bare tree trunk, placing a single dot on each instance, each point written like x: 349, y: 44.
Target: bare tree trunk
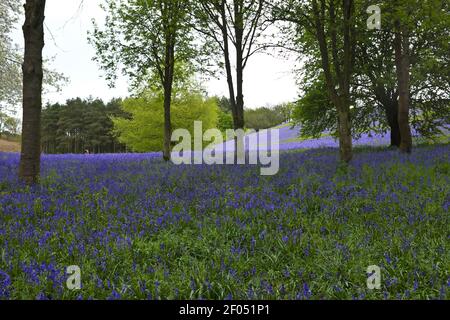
x: 401, y: 46
x: 33, y: 31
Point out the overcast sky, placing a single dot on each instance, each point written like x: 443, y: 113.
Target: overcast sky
x: 268, y: 80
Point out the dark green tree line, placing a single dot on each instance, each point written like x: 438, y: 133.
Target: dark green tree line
x: 81, y: 125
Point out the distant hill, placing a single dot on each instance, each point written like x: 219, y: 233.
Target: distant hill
x: 9, y: 146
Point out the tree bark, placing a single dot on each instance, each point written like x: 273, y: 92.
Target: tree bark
x: 240, y: 121
x: 401, y: 47
x: 168, y: 83
x: 33, y: 31
x: 167, y: 124
x: 392, y: 119
x: 239, y: 33
x: 228, y: 68
x: 345, y: 133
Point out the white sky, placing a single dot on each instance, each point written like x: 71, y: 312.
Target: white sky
x: 268, y: 80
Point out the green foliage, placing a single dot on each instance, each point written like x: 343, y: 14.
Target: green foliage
x: 80, y: 125
x: 314, y: 111
x: 10, y: 73
x: 9, y: 126
x: 225, y: 121
x: 224, y: 104
x: 144, y: 131
x: 285, y: 110
x: 374, y: 85
x: 225, y: 117
x: 262, y: 118
x: 138, y: 35
x: 11, y: 61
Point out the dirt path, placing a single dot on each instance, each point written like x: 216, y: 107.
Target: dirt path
x: 9, y: 146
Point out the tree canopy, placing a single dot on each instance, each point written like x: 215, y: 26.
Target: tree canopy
x: 142, y: 131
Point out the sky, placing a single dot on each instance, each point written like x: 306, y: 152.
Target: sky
x: 268, y: 80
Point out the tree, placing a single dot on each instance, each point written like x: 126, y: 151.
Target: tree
x: 375, y: 90
x: 331, y: 24
x: 314, y: 112
x: 376, y: 84
x: 420, y: 31
x: 9, y: 126
x: 240, y: 23
x: 402, y: 67
x: 225, y: 117
x: 11, y: 60
x: 33, y: 31
x: 285, y: 111
x: 149, y: 38
x: 224, y: 104
x: 142, y: 130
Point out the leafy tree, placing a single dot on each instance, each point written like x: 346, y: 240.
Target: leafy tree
x: 233, y: 26
x: 285, y: 110
x: 9, y: 126
x: 225, y: 120
x: 374, y: 86
x: 328, y: 33
x: 225, y: 117
x: 148, y: 38
x: 419, y: 32
x: 142, y: 130
x: 314, y: 111
x: 224, y: 104
x: 10, y: 73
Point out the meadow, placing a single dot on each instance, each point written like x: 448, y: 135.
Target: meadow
x: 140, y: 228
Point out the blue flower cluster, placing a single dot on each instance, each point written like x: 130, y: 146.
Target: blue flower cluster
x: 140, y: 228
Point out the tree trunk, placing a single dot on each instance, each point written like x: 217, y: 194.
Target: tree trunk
x: 392, y: 119
x: 33, y: 31
x: 228, y: 68
x: 401, y: 46
x: 240, y: 121
x: 168, y: 83
x: 230, y: 83
x: 345, y: 134
x: 167, y: 123
x: 239, y: 32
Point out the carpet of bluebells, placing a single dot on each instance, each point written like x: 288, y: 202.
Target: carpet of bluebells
x: 140, y: 228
